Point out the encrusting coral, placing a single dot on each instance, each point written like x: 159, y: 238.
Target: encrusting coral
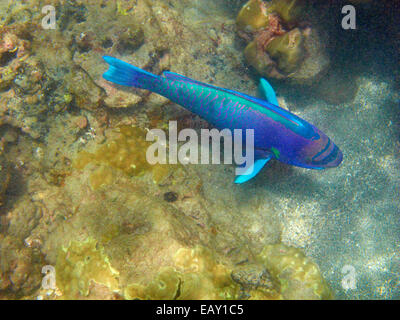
x: 80, y: 264
x: 195, y: 275
x: 281, y: 272
x: 126, y: 152
x: 298, y: 276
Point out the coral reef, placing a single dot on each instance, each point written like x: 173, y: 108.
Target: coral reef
x: 20, y: 268
x: 280, y: 46
x: 126, y: 240
x: 76, y: 191
x: 281, y: 273
x: 193, y: 273
x: 20, y: 80
x: 35, y: 62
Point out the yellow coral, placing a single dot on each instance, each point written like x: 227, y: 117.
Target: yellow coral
x: 253, y: 16
x: 81, y: 263
x: 203, y: 277
x: 287, y: 50
x: 165, y: 286
x: 299, y: 277
x: 259, y: 59
x: 288, y: 10
x: 102, y: 175
x: 195, y: 276
x: 127, y: 152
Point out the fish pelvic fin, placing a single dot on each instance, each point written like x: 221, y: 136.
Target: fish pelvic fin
x: 123, y: 73
x: 254, y: 169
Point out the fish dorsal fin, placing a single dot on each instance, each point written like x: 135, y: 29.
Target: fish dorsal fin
x: 267, y: 92
x: 175, y: 76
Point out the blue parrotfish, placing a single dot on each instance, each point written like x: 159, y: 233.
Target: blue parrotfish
x: 278, y: 133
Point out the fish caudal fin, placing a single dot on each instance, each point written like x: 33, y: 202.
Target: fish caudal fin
x: 125, y: 74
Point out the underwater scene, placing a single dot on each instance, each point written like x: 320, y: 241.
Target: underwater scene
x: 199, y: 149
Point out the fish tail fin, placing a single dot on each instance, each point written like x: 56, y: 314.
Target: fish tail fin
x: 125, y: 74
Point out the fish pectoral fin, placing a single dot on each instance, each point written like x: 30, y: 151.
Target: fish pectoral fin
x: 267, y: 92
x: 253, y: 170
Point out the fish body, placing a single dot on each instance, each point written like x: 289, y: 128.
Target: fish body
x: 278, y: 133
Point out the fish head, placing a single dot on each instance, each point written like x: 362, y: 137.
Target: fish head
x: 321, y: 152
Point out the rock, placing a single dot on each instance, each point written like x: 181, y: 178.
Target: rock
x: 253, y: 276
x: 87, y: 94
x: 316, y: 61
x: 5, y: 176
x: 20, y: 272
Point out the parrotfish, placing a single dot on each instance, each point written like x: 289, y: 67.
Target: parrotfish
x: 278, y: 133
